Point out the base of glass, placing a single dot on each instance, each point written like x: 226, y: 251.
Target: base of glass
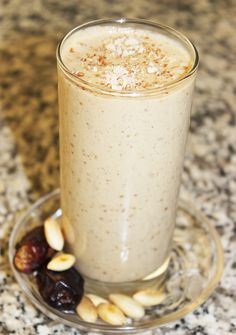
x: 187, y: 278
x: 155, y: 279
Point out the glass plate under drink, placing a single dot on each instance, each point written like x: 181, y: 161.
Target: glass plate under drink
x: 195, y: 268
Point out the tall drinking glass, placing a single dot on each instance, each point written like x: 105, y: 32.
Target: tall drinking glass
x: 121, y: 157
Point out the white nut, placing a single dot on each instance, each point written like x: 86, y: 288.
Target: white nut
x: 61, y: 262
x: 128, y: 305
x: 111, y: 314
x: 96, y: 300
x: 53, y: 234
x: 149, y: 297
x: 86, y: 310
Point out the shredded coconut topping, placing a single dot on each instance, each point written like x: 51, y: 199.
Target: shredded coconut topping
x: 127, y: 60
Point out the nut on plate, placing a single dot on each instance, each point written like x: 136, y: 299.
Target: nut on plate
x: 111, y: 314
x: 61, y: 262
x: 86, y: 310
x: 53, y: 234
x: 96, y: 299
x: 149, y: 297
x: 128, y: 305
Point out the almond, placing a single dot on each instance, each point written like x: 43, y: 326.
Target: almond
x: 53, y: 234
x: 149, y: 297
x: 128, y: 305
x: 61, y: 262
x: 86, y: 310
x: 96, y: 300
x: 111, y: 314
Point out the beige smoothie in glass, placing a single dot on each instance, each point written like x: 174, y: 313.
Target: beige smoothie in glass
x: 125, y: 95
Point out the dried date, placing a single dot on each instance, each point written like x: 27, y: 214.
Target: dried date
x: 36, y: 234
x: 32, y: 251
x: 61, y: 290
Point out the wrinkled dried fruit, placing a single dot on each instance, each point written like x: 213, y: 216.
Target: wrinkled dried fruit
x: 36, y: 234
x: 32, y: 251
x: 30, y: 256
x: 62, y: 290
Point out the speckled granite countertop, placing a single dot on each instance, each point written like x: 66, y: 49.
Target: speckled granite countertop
x: 29, y: 165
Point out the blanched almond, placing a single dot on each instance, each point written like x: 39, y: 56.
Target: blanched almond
x: 149, y: 297
x: 86, y: 310
x: 53, y: 234
x: 96, y: 300
x: 61, y: 262
x: 111, y: 314
x: 128, y: 305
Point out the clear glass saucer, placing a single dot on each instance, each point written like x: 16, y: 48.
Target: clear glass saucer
x: 195, y: 268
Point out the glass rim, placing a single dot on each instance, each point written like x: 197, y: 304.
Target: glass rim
x: 134, y: 93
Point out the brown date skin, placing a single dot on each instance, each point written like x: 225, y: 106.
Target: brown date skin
x: 36, y: 234
x: 61, y: 290
x: 32, y: 251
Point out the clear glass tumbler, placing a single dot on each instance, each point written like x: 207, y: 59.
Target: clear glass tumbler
x: 121, y: 158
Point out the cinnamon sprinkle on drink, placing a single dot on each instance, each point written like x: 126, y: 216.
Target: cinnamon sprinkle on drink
x: 127, y: 60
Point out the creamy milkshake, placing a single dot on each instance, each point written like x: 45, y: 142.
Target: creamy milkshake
x: 125, y: 94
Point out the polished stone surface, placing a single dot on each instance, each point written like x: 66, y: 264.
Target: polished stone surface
x: 29, y: 165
